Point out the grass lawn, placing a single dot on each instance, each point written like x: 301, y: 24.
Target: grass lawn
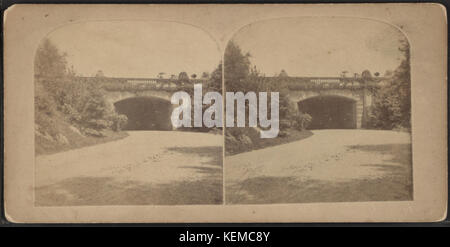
x: 44, y: 146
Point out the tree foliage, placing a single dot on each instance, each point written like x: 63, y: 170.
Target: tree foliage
x: 392, y: 101
x: 49, y: 61
x: 283, y: 73
x: 183, y: 77
x: 205, y: 75
x: 241, y: 76
x: 215, y: 80
x: 58, y: 94
x: 366, y: 75
x: 237, y: 68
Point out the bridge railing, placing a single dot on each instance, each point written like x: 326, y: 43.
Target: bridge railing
x: 130, y: 84
x: 292, y: 83
x: 322, y: 83
x: 143, y: 87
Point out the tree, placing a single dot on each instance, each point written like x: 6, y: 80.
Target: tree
x: 49, y: 61
x: 392, y: 102
x: 161, y: 75
x: 99, y: 74
x: 193, y: 76
x: 241, y: 76
x: 376, y: 74
x: 71, y: 71
x: 183, y: 77
x: 388, y: 73
x: 50, y: 68
x: 237, y: 68
x: 283, y: 74
x: 205, y: 75
x: 366, y: 75
x: 215, y: 80
x: 81, y: 103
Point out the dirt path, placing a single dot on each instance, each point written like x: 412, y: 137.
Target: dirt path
x: 331, y: 165
x: 156, y: 167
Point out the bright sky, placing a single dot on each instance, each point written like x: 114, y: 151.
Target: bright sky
x: 136, y: 49
x: 321, y: 46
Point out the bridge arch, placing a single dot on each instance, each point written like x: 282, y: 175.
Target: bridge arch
x: 145, y: 112
x: 330, y: 111
x: 331, y: 98
x: 299, y: 95
x: 115, y: 96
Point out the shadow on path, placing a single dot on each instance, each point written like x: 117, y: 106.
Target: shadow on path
x: 89, y: 190
x: 212, y: 166
x: 394, y: 185
x: 109, y: 191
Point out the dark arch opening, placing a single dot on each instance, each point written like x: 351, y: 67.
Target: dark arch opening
x: 146, y: 113
x: 330, y: 112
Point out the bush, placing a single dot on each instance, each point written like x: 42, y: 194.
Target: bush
x: 302, y: 121
x: 98, y: 124
x: 285, y: 124
x: 82, y: 103
x: 241, y: 139
x: 391, y: 107
x: 283, y: 133
x: 118, y: 122
x: 44, y: 105
x: 92, y: 132
x: 66, y: 106
x: 44, y: 113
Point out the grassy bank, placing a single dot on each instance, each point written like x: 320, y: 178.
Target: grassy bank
x: 70, y: 138
x: 253, y: 141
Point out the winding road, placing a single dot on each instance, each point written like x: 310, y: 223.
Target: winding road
x: 180, y: 168
x: 331, y: 165
x: 157, y: 167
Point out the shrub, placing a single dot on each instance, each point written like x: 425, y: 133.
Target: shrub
x: 283, y: 133
x: 92, y: 132
x: 98, y: 124
x: 392, y: 101
x: 302, y: 121
x: 241, y: 139
x: 81, y: 103
x: 118, y: 122
x: 285, y: 124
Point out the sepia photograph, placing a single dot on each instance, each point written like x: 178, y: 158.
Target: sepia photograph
x: 231, y: 113
x: 103, y: 131
x: 344, y: 112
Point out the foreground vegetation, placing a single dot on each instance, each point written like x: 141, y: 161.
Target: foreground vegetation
x: 248, y: 139
x: 69, y: 113
x: 392, y: 101
x: 240, y: 76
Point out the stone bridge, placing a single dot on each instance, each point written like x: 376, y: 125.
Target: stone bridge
x: 333, y: 102
x: 348, y: 107
x: 123, y: 88
x: 145, y: 101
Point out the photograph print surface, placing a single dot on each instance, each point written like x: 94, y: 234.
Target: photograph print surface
x: 103, y: 130
x: 344, y: 112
